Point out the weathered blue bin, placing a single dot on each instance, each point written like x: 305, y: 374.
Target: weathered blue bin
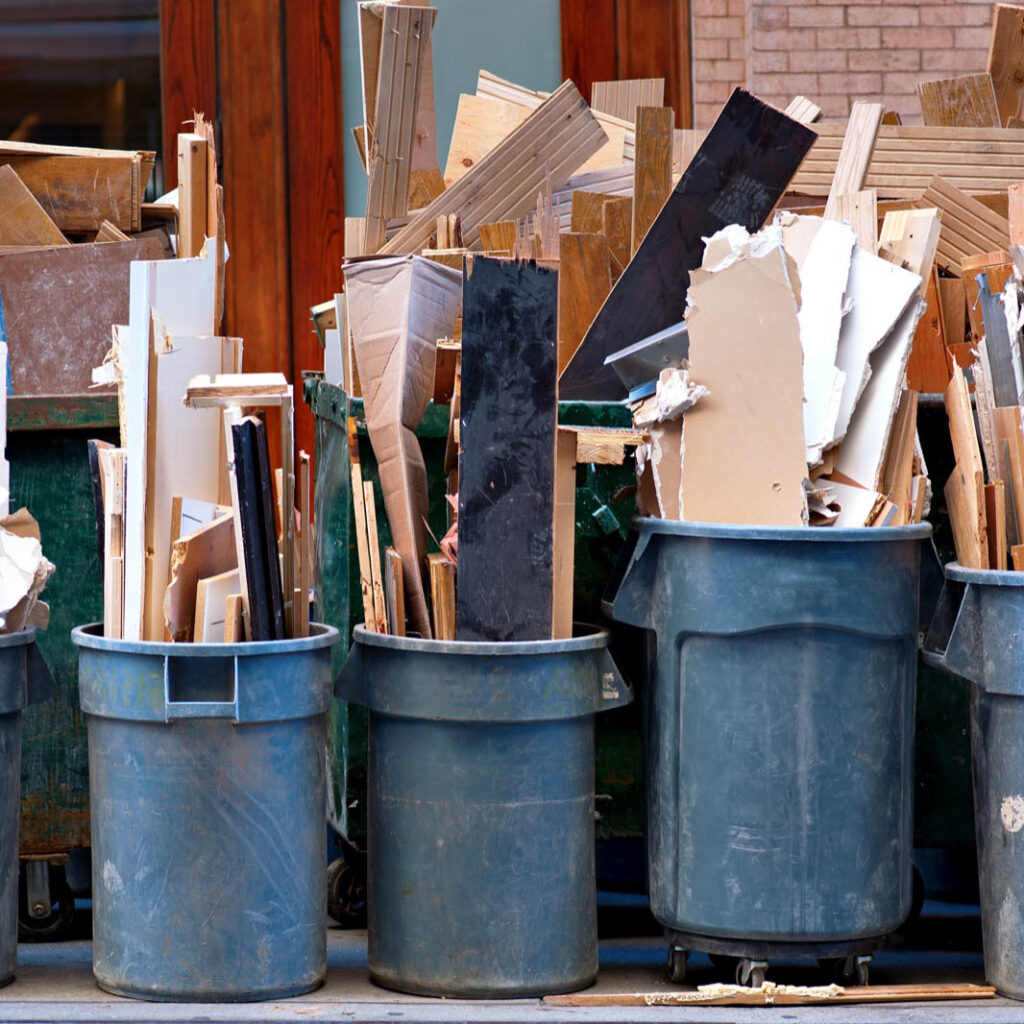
x: 207, y: 786
x: 978, y: 634
x: 779, y: 727
x: 24, y: 679
x: 481, y: 810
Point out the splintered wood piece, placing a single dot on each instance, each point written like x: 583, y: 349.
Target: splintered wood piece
x: 507, y: 442
x: 603, y: 446
x: 380, y: 617
x: 212, y: 594
x: 995, y: 523
x: 855, y: 155
x: 621, y: 98
x: 442, y: 595
x: 111, y: 233
x: 394, y: 591
x: 761, y: 427
x: 803, y: 110
x: 362, y: 540
x: 928, y: 369
x: 112, y: 465
x: 584, y: 281
x: 23, y: 221
x: 548, y: 146
x: 1015, y: 210
x: 999, y: 269
x: 209, y: 551
x: 861, y: 210
x: 616, y: 226
x: 967, y: 101
x: 234, y: 624
x: 968, y: 226
x: 564, y: 533
x: 652, y: 168
x: 1006, y: 60
x: 741, y: 171
x: 192, y: 194
x: 498, y: 238
x: 965, y: 489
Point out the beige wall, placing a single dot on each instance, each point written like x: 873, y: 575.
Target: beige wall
x: 833, y: 51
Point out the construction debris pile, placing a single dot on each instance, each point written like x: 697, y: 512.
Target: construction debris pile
x: 199, y: 539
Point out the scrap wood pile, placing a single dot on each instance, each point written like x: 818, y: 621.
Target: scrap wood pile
x: 199, y: 540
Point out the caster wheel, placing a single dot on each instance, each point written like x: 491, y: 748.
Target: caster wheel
x: 862, y: 971
x: 676, y: 966
x: 346, y: 890
x: 55, y: 923
x: 849, y: 970
x: 750, y: 972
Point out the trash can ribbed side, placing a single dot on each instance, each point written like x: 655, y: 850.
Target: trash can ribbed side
x: 976, y: 634
x: 481, y: 811
x: 779, y: 727
x: 24, y: 679
x: 208, y: 794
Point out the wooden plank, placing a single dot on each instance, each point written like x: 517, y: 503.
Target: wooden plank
x: 1018, y: 557
x: 507, y: 442
x: 112, y: 464
x: 652, y: 168
x: 1015, y: 212
x: 245, y: 389
x: 481, y: 123
x: 587, y: 211
x: 861, y: 210
x: 898, y: 468
x: 968, y: 227
x: 999, y: 269
x: 405, y: 41
x: 380, y: 615
x: 913, y: 236
x: 616, y: 226
x: 564, y: 535
x: 954, y: 312
x: 621, y: 98
x: 362, y: 540
x: 803, y: 110
x: 854, y: 157
x: 234, y: 628
x: 928, y: 369
x: 58, y: 305
x: 207, y: 552
x: 442, y: 595
x: 995, y: 524
x: 967, y: 101
x: 965, y: 489
x: 212, y: 593
x: 192, y: 194
x: 504, y: 184
x: 1009, y: 445
x: 394, y: 592
x: 111, y: 233
x: 1006, y: 60
x: 584, y: 281
x: 23, y: 221
x: 498, y: 238
x: 750, y: 142
x: 603, y: 446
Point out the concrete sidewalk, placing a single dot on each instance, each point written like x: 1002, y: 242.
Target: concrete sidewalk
x: 55, y: 984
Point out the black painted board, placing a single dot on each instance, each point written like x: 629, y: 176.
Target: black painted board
x: 269, y: 535
x: 507, y: 428
x: 736, y: 177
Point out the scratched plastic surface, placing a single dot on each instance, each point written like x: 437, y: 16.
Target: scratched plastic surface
x: 780, y: 726
x: 208, y: 793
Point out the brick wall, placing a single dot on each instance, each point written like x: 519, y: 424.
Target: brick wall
x: 833, y: 51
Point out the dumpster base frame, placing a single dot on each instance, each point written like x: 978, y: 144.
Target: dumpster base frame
x: 774, y: 949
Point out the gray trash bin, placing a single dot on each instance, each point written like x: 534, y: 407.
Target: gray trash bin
x: 24, y: 679
x: 208, y: 795
x: 480, y: 784
x: 779, y: 727
x: 978, y: 634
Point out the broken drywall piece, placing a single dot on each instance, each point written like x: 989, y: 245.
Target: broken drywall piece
x: 750, y: 425
x: 397, y: 309
x: 867, y: 438
x: 822, y: 506
x: 24, y: 570
x: 675, y: 393
x: 879, y: 294
x: 822, y: 250
x: 666, y: 462
x: 857, y: 506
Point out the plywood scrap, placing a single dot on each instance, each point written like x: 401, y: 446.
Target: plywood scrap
x: 967, y: 101
x: 952, y: 298
x: 480, y: 124
x: 212, y: 593
x: 551, y: 143
x: 1006, y: 60
x: 621, y: 98
x: 203, y: 553
x: 913, y: 237
x: 397, y: 310
x: 965, y: 489
x: 362, y: 540
x: 442, y: 595
x: 652, y: 168
x: 1015, y: 212
x: 860, y: 210
x: 1009, y: 445
x: 499, y: 238
x: 898, y: 467
x: 584, y: 281
x: 603, y: 446
x: 750, y: 142
x: 22, y: 220
x: 616, y: 222
x: 855, y: 155
x: 507, y: 444
x: 968, y: 226
x: 111, y: 233
x: 753, y: 409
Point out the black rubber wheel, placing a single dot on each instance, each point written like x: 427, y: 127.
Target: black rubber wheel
x: 847, y: 970
x: 346, y: 890
x: 863, y: 973
x: 750, y: 975
x: 676, y: 966
x: 57, y: 923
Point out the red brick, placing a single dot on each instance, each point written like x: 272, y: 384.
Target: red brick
x: 727, y: 70
x: 966, y: 38
x: 737, y: 8
x: 837, y: 106
x: 788, y: 85
x: 819, y: 60
x: 787, y: 39
x: 961, y: 15
x: 771, y: 17
x: 721, y: 28
x: 740, y: 48
x: 769, y: 60
x: 710, y: 49
x: 883, y: 15
x: 885, y: 60
x: 923, y: 37
x: 949, y: 63
x: 897, y: 83
x: 848, y: 38
x: 815, y: 17
x: 854, y: 84
x: 701, y: 9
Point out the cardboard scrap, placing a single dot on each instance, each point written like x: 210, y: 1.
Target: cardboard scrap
x: 24, y: 570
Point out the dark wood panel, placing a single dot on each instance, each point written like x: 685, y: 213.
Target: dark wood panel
x: 188, y: 71
x: 589, y: 42
x: 654, y: 42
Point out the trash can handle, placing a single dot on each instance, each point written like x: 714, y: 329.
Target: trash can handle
x: 182, y: 707
x: 39, y: 682
x: 954, y: 635
x: 351, y: 682
x: 615, y: 690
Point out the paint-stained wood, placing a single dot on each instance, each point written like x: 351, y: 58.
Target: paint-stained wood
x: 112, y: 468
x: 380, y: 615
x: 584, y: 281
x: 967, y: 101
x: 394, y: 592
x: 749, y: 143
x: 22, y: 220
x: 1006, y: 60
x: 855, y: 155
x: 507, y: 442
x: 362, y: 539
x: 652, y: 181
x: 504, y: 184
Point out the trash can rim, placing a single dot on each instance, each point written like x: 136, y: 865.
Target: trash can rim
x: 990, y: 577
x: 811, y: 534
x: 595, y: 638
x: 90, y: 636
x: 18, y: 639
